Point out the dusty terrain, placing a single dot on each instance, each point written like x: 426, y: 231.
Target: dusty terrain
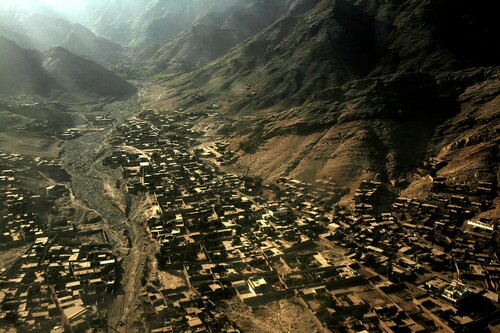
x: 284, y: 316
x: 31, y: 144
x: 8, y: 257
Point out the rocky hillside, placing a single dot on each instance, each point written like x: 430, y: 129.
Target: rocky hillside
x: 353, y: 89
x: 81, y: 76
x: 22, y: 71
x: 323, y: 44
x: 214, y: 34
x: 384, y: 127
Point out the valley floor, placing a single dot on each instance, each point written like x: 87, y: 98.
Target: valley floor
x: 139, y: 228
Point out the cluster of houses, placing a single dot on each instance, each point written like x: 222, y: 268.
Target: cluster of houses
x: 19, y: 224
x: 397, y: 245
x: 367, y: 196
x: 63, y: 274
x: 98, y: 120
x: 95, y: 123
x: 445, y: 219
x: 20, y: 208
x: 229, y: 238
x: 58, y: 283
x: 181, y: 310
x: 421, y: 239
x: 70, y: 134
x: 389, y: 265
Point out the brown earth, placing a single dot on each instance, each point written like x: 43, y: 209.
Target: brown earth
x: 284, y: 316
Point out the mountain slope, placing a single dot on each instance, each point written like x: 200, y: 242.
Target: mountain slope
x: 30, y: 72
x: 78, y: 75
x: 299, y: 55
x: 145, y: 23
x: 215, y: 33
x: 82, y: 41
x: 356, y: 89
x: 19, y: 39
x: 385, y: 126
x: 22, y: 72
x: 336, y: 42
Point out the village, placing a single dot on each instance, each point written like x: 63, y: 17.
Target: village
x: 390, y: 264
x: 64, y: 272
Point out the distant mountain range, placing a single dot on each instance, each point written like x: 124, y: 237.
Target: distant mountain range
x: 40, y: 32
x: 54, y: 72
x: 213, y: 34
x: 326, y: 43
x: 142, y: 23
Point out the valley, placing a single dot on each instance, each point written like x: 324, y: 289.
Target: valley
x: 152, y: 186
x: 249, y: 166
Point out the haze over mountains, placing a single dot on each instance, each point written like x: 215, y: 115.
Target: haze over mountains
x: 40, y: 32
x: 381, y: 85
x: 76, y: 74
x: 54, y: 72
x: 22, y: 71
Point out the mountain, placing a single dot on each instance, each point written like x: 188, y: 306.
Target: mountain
x: 141, y: 27
x: 42, y: 33
x: 385, y: 126
x: 215, y: 33
x: 145, y: 23
x: 22, y: 71
x: 357, y: 89
x: 78, y: 75
x: 336, y: 42
x: 113, y: 19
x: 307, y: 88
x: 82, y: 41
x: 31, y: 72
x: 19, y: 39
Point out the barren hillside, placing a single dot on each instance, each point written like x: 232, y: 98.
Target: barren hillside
x: 353, y: 89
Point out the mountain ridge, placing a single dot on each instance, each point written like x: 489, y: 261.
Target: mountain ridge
x: 22, y: 70
x: 55, y: 72
x: 77, y: 75
x: 213, y: 34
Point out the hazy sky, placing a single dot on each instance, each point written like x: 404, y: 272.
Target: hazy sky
x: 70, y: 8
x: 64, y: 5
